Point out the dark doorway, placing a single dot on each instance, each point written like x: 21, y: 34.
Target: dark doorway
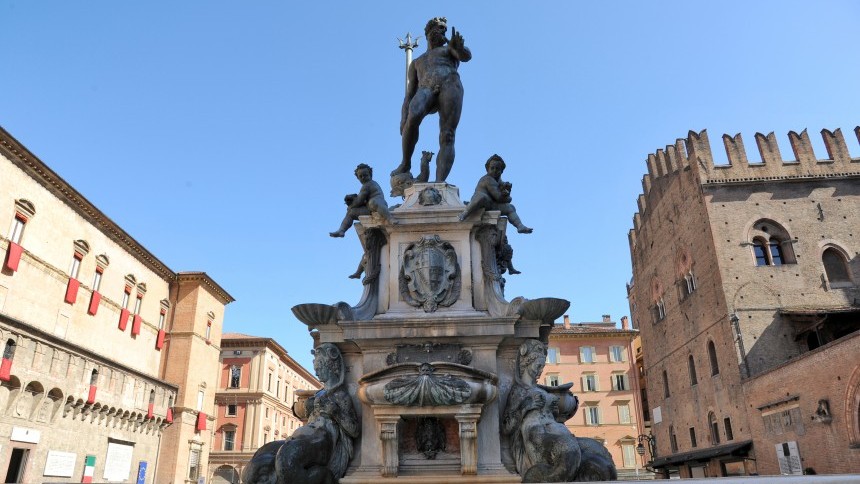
x: 17, y: 465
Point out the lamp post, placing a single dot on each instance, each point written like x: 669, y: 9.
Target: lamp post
x: 640, y: 448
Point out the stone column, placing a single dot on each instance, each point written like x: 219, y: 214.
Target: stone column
x: 468, y: 444
x: 388, y: 436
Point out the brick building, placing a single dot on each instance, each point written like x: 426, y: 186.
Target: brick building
x: 90, y: 323
x: 598, y: 359
x: 745, y: 290
x: 254, y: 399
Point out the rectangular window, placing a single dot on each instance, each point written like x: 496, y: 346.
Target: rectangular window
x: 231, y: 410
x: 661, y: 310
x: 278, y: 389
x: 619, y: 382
x: 17, y: 229
x: 208, y: 331
x: 235, y: 376
x: 552, y: 380
x: 692, y: 437
x: 266, y: 412
x: 592, y: 416
x: 552, y: 355
x: 589, y: 382
x: 194, y: 464
x: 161, y: 320
x: 624, y: 414
x: 97, y: 280
x: 125, y: 297
x: 727, y: 423
x: 269, y: 383
x: 229, y: 439
x: 200, y: 395
x: 76, y: 266
x: 616, y: 354
x: 137, y: 302
x: 628, y: 455
x: 586, y: 354
x: 265, y: 437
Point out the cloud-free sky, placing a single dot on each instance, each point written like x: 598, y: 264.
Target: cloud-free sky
x: 223, y: 135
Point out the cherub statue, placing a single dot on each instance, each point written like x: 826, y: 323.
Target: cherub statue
x: 492, y: 193
x: 370, y: 199
x: 401, y: 181
x: 504, y: 256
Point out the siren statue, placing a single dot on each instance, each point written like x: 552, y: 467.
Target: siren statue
x: 541, y: 445
x: 433, y: 85
x: 318, y: 452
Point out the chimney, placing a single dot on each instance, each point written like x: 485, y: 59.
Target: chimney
x: 566, y: 321
x: 624, y: 323
x: 606, y: 318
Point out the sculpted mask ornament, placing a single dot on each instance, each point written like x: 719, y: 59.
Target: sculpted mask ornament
x: 430, y: 274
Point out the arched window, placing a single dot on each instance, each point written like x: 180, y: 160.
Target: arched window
x: 665, y: 384
x: 673, y: 440
x: 691, y: 365
x: 714, y: 427
x: 9, y: 350
x: 712, y: 356
x: 760, y: 252
x: 771, y: 244
x: 835, y: 266
x: 776, y: 255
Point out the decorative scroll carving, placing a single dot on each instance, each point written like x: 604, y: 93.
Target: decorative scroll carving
x: 314, y: 315
x: 430, y: 274
x: 427, y: 389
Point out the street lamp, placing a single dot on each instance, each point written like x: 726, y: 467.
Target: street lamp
x: 640, y: 448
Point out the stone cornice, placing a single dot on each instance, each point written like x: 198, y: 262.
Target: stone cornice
x: 208, y: 282
x: 51, y: 340
x: 256, y: 342
x: 35, y: 168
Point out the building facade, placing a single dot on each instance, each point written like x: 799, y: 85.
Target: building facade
x: 598, y: 359
x: 254, y: 398
x: 745, y: 290
x: 86, y: 322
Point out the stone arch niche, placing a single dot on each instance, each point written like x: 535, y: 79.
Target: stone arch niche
x: 9, y: 391
x: 225, y: 474
x: 29, y: 401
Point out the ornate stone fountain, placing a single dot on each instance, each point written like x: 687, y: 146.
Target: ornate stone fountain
x: 439, y: 367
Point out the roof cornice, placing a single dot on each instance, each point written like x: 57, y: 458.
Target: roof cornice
x: 54, y: 183
x: 205, y: 280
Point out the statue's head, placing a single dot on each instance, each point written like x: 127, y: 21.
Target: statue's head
x: 363, y: 172
x: 435, y: 30
x: 436, y: 22
x: 531, y: 358
x: 328, y: 364
x: 496, y: 163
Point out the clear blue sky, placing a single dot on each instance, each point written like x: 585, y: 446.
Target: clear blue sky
x: 223, y: 135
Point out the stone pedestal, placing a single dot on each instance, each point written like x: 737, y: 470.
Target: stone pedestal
x: 432, y: 336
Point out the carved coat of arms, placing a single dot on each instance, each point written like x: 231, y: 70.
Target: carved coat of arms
x: 430, y: 274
